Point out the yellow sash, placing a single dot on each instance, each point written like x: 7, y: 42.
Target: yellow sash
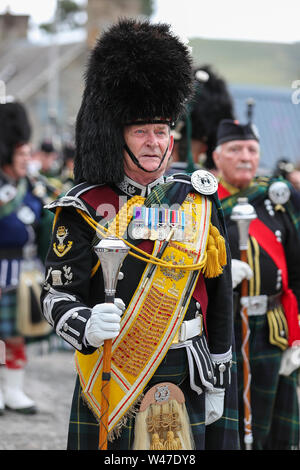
x: 150, y: 322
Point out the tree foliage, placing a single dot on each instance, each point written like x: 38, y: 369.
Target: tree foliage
x: 147, y: 7
x: 66, y: 16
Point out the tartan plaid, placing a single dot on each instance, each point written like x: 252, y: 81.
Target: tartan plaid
x: 84, y: 428
x: 285, y: 424
x: 258, y: 190
x: 274, y: 404
x: 8, y: 313
x: 161, y: 194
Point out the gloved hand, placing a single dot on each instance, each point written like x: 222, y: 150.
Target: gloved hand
x: 214, y: 405
x: 239, y: 271
x: 290, y: 360
x: 104, y: 322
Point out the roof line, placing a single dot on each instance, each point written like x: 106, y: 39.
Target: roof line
x: 45, y: 76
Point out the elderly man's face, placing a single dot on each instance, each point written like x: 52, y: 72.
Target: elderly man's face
x: 237, y: 161
x: 148, y: 142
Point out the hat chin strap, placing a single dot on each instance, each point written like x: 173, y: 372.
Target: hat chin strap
x: 137, y: 163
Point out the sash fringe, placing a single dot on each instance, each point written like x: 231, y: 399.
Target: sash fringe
x: 131, y: 413
x: 116, y: 432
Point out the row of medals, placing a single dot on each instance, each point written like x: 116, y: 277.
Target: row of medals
x: 146, y: 224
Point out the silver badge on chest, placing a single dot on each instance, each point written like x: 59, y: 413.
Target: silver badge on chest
x: 279, y: 192
x: 7, y: 193
x: 26, y: 215
x: 204, y: 182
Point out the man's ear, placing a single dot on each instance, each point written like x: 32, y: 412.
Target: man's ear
x: 216, y: 157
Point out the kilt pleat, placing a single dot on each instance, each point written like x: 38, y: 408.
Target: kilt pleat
x: 284, y: 434
x: 8, y: 314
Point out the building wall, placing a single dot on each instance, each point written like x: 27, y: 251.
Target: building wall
x: 13, y: 27
x: 102, y: 13
x: 70, y: 89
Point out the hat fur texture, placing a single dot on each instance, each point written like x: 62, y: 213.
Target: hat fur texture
x: 137, y: 71
x: 15, y: 130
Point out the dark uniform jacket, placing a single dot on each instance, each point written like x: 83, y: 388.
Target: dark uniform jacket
x: 267, y: 277
x: 72, y: 287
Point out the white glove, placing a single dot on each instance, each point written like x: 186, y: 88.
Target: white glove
x: 239, y: 271
x: 214, y: 405
x: 104, y: 322
x: 290, y: 360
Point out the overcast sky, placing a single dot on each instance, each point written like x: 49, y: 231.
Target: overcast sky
x: 262, y: 20
x: 258, y: 20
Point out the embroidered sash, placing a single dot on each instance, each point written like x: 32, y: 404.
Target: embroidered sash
x: 150, y: 322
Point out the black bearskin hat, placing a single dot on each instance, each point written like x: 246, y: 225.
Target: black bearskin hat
x: 15, y: 130
x: 137, y: 71
x: 211, y: 102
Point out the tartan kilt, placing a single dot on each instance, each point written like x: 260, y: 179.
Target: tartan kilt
x: 8, y: 314
x: 274, y: 400
x: 84, y: 428
x: 284, y: 432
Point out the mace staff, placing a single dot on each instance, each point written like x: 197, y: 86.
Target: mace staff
x: 111, y: 252
x: 243, y: 213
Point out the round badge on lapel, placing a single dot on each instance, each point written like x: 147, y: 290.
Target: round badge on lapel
x: 26, y: 215
x: 7, y: 193
x: 204, y: 182
x: 279, y: 192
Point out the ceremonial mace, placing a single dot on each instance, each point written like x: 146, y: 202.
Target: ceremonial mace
x: 243, y: 213
x: 111, y: 252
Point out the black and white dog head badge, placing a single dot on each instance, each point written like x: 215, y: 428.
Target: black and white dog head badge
x: 204, y: 182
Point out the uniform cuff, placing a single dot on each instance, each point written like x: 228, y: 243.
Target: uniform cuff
x: 222, y: 368
x: 71, y: 328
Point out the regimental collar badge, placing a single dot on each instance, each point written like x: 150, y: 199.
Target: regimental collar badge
x: 61, y: 248
x: 204, y: 182
x: 132, y: 188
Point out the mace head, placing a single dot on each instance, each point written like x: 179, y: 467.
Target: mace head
x: 111, y: 252
x: 243, y: 213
